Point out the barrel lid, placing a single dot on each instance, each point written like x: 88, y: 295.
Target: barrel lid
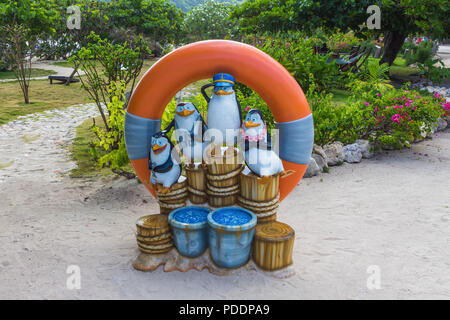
x: 154, y: 222
x: 274, y: 231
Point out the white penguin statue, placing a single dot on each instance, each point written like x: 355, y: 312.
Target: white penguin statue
x: 189, y: 129
x: 224, y: 110
x: 164, y: 170
x: 258, y: 154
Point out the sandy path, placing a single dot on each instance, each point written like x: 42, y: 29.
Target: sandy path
x: 48, y: 65
x: 391, y: 211
x: 444, y: 54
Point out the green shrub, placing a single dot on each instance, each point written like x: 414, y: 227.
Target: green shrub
x: 111, y: 140
x: 419, y: 53
x: 296, y: 54
x: 434, y: 73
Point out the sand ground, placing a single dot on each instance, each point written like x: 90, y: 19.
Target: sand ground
x: 391, y: 212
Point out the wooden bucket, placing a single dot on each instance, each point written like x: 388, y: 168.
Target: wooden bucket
x: 273, y: 245
x: 223, y: 170
x: 253, y: 189
x: 196, y: 179
x: 174, y: 199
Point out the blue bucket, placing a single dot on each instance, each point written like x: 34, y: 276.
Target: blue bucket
x: 190, y: 230
x: 231, y: 231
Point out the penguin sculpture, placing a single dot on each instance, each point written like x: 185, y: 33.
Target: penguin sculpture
x: 258, y: 154
x: 165, y: 171
x: 189, y: 129
x: 224, y: 110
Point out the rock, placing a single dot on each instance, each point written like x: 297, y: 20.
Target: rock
x: 312, y: 170
x: 426, y: 134
x: 321, y: 162
x: 334, y: 153
x: 352, y: 153
x: 442, y: 124
x: 319, y: 150
x: 366, y: 148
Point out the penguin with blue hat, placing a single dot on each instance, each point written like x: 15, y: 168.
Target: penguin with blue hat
x: 224, y: 110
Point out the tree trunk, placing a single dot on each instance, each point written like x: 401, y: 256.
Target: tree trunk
x: 392, y: 44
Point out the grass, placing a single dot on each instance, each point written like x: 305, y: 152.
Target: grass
x: 80, y: 152
x: 400, y: 70
x: 43, y: 96
x: 4, y: 75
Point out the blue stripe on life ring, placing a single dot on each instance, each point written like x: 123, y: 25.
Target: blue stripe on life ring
x: 296, y: 139
x: 138, y: 133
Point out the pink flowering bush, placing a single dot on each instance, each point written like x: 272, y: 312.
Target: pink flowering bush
x: 395, y: 117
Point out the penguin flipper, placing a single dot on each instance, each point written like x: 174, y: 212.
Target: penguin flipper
x: 150, y: 166
x: 204, y: 92
x: 169, y: 127
x: 240, y: 112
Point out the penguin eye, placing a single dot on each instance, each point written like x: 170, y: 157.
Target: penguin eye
x: 153, y: 142
x: 248, y: 118
x: 179, y: 108
x: 160, y: 142
x: 190, y: 108
x: 254, y: 119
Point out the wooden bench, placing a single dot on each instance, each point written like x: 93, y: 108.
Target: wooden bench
x: 62, y: 79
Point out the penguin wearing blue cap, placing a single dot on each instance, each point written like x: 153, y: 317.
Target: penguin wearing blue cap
x: 189, y: 130
x: 165, y: 172
x: 258, y: 154
x: 224, y: 110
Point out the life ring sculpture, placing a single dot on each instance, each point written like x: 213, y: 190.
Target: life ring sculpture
x: 251, y: 67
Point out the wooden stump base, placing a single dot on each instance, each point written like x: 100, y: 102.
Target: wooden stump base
x: 273, y: 245
x: 173, y: 261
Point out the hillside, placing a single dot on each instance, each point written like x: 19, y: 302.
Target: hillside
x: 187, y: 5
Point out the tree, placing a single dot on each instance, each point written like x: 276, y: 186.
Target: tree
x: 157, y: 19
x: 64, y: 41
x: 105, y: 63
x: 399, y: 18
x: 22, y: 22
x: 209, y: 21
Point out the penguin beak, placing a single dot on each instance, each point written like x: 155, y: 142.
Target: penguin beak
x: 251, y: 124
x: 185, y: 113
x: 223, y: 92
x: 158, y: 149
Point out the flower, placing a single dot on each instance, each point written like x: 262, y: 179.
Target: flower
x: 247, y: 108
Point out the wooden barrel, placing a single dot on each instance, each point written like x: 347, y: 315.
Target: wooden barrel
x: 260, y: 196
x: 222, y: 197
x: 153, y: 234
x: 196, y: 179
x: 273, y: 245
x: 174, y: 199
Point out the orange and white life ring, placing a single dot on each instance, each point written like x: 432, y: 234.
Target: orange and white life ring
x: 250, y: 66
